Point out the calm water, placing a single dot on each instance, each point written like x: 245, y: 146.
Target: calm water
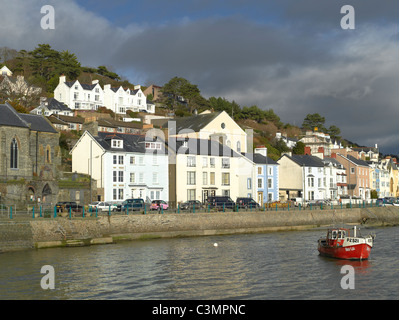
x: 283, y: 265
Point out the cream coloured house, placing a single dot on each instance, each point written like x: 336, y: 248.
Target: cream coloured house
x: 217, y: 126
x: 201, y: 167
x: 4, y: 71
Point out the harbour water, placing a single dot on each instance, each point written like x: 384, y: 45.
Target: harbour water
x: 281, y: 265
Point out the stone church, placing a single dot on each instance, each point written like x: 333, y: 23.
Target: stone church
x: 30, y: 158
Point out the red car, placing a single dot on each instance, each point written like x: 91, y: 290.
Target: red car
x: 159, y: 204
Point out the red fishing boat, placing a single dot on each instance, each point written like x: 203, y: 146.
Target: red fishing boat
x: 342, y: 243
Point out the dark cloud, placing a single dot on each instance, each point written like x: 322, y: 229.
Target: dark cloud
x: 288, y: 55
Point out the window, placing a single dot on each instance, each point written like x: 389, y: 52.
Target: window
x: 270, y: 183
x: 155, y: 177
x: 141, y: 177
x: 212, y: 178
x: 114, y: 176
x: 225, y: 163
x: 76, y: 95
x: 115, y: 159
x: 14, y: 154
x: 120, y: 160
x: 260, y: 183
x: 212, y: 162
x: 310, y: 182
x: 132, y: 177
x: 259, y: 170
x: 132, y: 160
x: 249, y: 183
x: 48, y: 154
x: 120, y: 176
x: 205, y: 178
x: 191, y: 161
x: 225, y: 179
x: 352, y: 170
x: 204, y: 162
x: 116, y: 143
x: 190, y: 194
x: 190, y: 177
x: 238, y: 146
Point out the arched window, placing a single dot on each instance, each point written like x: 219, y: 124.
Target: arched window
x: 14, y: 154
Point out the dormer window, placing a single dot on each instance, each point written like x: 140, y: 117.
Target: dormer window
x: 115, y: 143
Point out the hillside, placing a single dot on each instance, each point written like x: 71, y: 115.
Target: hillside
x: 42, y: 67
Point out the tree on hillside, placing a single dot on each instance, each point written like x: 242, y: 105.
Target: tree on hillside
x: 178, y: 88
x: 314, y: 120
x: 44, y: 61
x: 334, y: 132
x: 299, y: 148
x: 105, y: 72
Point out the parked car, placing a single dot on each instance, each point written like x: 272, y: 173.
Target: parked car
x: 159, y: 204
x: 133, y: 204
x: 247, y: 203
x: 93, y: 205
x: 60, y: 206
x: 104, y: 206
x: 297, y: 201
x: 190, y: 204
x: 73, y: 206
x: 221, y: 202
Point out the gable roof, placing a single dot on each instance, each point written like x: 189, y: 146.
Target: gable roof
x: 54, y: 104
x: 10, y: 117
x: 196, y: 122
x: 38, y: 123
x: 131, y: 143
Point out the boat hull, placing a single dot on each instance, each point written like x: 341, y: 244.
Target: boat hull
x: 354, y: 252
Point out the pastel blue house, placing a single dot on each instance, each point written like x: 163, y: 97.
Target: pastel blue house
x: 266, y: 176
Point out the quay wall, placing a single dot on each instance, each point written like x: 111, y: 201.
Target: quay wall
x: 50, y: 232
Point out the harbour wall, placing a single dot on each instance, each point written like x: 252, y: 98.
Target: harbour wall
x: 44, y: 233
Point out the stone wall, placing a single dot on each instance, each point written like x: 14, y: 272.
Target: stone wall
x: 107, y: 229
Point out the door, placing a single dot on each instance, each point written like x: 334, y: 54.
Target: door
x: 260, y: 198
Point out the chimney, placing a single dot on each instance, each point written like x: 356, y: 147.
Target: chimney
x: 261, y: 150
x: 137, y: 87
x: 334, y: 155
x: 308, y: 151
x: 62, y: 79
x: 107, y: 87
x: 94, y: 82
x: 321, y: 150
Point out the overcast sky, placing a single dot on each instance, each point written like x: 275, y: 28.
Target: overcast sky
x: 288, y: 55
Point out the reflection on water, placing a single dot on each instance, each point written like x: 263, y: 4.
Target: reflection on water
x: 283, y: 265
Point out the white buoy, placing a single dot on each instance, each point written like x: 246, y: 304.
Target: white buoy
x: 215, y: 244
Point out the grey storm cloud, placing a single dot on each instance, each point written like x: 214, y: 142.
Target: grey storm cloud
x: 292, y: 56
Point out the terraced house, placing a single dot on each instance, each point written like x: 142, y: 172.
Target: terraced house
x: 124, y: 165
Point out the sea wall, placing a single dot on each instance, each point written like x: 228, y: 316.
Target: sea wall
x: 41, y: 233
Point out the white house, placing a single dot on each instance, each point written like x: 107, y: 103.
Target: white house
x: 4, y: 71
x: 120, y: 100
x: 124, y: 165
x: 49, y: 106
x: 79, y: 96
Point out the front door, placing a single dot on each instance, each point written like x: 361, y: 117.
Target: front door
x: 260, y: 198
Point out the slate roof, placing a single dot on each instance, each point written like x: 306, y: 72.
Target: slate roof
x: 358, y: 162
x: 259, y: 158
x: 84, y: 85
x: 38, y: 123
x: 54, y: 104
x: 306, y: 160
x: 195, y: 123
x: 10, y: 117
x: 131, y: 143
